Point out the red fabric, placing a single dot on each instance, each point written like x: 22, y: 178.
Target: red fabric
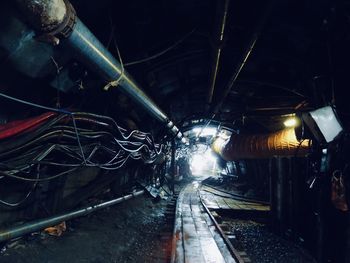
x: 16, y: 127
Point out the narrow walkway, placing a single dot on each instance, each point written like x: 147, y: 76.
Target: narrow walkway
x: 196, y: 237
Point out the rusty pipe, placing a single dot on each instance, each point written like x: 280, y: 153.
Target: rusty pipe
x: 282, y: 143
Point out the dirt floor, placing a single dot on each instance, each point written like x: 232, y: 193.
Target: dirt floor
x: 133, y: 231
x: 138, y: 230
x: 256, y: 237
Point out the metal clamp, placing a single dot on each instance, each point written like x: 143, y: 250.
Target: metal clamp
x: 63, y: 30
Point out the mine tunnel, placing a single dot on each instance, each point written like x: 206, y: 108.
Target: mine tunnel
x: 174, y: 131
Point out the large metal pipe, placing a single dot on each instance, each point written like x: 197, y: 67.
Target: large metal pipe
x: 44, y: 15
x: 79, y: 40
x: 30, y: 227
x: 86, y: 47
x: 282, y: 143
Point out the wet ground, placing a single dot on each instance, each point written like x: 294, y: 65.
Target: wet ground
x: 132, y: 231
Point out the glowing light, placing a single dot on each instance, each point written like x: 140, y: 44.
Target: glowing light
x: 209, y: 131
x: 203, y: 163
x: 198, y: 162
x: 291, y: 122
x: 327, y: 122
x: 209, y: 156
x: 218, y: 144
x: 195, y: 184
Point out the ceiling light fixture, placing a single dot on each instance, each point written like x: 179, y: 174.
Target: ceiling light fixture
x: 291, y: 122
x: 323, y: 123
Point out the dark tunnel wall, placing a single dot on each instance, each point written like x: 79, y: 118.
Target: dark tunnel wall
x: 298, y: 63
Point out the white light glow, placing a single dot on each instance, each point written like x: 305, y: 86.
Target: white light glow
x: 203, y: 163
x: 198, y: 162
x: 195, y: 185
x: 209, y: 156
x: 219, y: 144
x: 290, y: 122
x: 327, y: 122
x: 209, y: 131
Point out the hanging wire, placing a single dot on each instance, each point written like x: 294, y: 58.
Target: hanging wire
x: 27, y: 195
x: 116, y: 83
x: 162, y: 52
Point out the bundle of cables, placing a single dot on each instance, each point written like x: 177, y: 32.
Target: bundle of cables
x: 56, y: 144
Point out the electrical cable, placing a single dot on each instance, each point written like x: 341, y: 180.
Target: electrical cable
x: 46, y: 108
x: 26, y: 196
x: 162, y: 52
x: 101, y: 143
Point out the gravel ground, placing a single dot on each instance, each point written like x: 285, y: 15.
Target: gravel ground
x: 262, y: 246
x: 129, y: 232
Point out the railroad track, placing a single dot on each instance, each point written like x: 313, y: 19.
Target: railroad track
x: 198, y: 236
x: 226, y: 234
x: 225, y: 207
x: 245, y: 226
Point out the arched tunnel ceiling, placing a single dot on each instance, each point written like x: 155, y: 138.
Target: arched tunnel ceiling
x: 169, y: 47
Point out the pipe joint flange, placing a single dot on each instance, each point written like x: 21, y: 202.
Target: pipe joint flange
x: 63, y: 30
x: 170, y: 125
x: 174, y: 130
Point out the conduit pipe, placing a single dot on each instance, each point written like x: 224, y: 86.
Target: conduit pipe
x: 67, y: 29
x: 218, y: 50
x: 40, y: 224
x: 243, y: 59
x: 282, y: 143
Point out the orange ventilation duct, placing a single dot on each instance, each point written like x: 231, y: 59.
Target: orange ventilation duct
x: 282, y: 143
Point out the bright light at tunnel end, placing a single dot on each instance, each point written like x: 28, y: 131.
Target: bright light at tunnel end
x: 203, y: 163
x: 208, y: 131
x: 198, y: 162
